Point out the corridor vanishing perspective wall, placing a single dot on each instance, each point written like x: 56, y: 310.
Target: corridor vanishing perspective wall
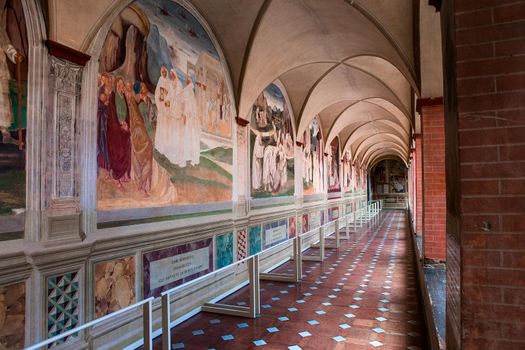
x: 141, y: 194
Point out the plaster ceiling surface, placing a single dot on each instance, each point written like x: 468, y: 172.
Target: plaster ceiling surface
x: 348, y: 61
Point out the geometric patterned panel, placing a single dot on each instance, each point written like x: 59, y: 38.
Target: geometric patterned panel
x: 62, y: 305
x: 242, y: 241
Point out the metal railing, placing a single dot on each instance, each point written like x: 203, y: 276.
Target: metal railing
x: 351, y: 221
x: 147, y: 325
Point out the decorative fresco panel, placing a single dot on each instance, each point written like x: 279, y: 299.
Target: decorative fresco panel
x: 348, y: 172
x: 114, y: 285
x: 334, y: 184
x: 292, y: 227
x: 224, y: 250
x: 314, y: 220
x: 313, y: 156
x: 13, y: 124
x: 12, y: 316
x: 275, y: 233
x: 242, y: 244
x: 255, y: 239
x: 272, y: 145
x: 164, y: 112
x: 167, y: 268
x: 62, y: 305
x: 306, y: 226
x: 333, y: 213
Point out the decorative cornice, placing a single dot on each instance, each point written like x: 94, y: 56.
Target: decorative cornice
x: 66, y: 53
x: 428, y: 102
x: 241, y: 122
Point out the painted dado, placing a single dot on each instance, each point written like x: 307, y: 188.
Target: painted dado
x: 126, y: 169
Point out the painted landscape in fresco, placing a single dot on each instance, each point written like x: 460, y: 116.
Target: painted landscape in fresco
x: 13, y: 88
x: 313, y: 155
x: 164, y: 112
x: 334, y: 184
x: 272, y: 145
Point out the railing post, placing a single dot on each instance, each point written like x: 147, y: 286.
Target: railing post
x: 166, y: 334
x: 255, y: 290
x: 321, y: 242
x: 298, y: 258
x: 147, y: 324
x: 337, y: 237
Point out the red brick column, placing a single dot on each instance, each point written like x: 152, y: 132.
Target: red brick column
x: 434, y: 187
x: 486, y: 62
x: 418, y: 185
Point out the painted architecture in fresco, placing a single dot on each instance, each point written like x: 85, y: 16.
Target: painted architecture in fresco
x: 334, y: 183
x: 13, y: 101
x: 313, y: 156
x: 272, y: 145
x: 164, y: 112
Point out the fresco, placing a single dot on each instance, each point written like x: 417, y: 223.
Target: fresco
x: 334, y: 183
x: 357, y: 179
x: 12, y: 316
x: 313, y: 155
x: 275, y: 233
x: 362, y: 180
x: 333, y: 213
x: 114, y: 285
x: 164, y: 112
x: 315, y: 219
x: 224, y: 250
x: 13, y: 103
x: 346, y: 163
x: 167, y: 268
x: 292, y: 227
x: 254, y: 239
x: 306, y: 226
x: 272, y: 145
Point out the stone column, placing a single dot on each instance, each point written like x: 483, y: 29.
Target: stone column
x: 61, y: 190
x: 242, y: 179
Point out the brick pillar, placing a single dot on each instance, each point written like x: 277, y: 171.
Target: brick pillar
x: 485, y: 103
x: 418, y: 185
x: 434, y: 196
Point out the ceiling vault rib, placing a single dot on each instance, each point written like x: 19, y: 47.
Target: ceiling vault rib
x: 311, y: 90
x: 376, y: 134
x: 381, y: 154
x: 248, y: 49
x: 363, y: 125
x: 375, y: 105
x: 387, y: 35
x: 393, y: 148
x: 381, y: 82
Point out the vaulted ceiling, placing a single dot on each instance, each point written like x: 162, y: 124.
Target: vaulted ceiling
x: 351, y: 62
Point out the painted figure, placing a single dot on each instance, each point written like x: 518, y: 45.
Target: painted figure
x: 7, y: 52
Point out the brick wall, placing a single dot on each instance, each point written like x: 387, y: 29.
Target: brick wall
x: 419, y: 186
x: 490, y: 81
x: 434, y: 197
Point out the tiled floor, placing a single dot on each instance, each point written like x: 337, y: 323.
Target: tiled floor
x: 363, y: 296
